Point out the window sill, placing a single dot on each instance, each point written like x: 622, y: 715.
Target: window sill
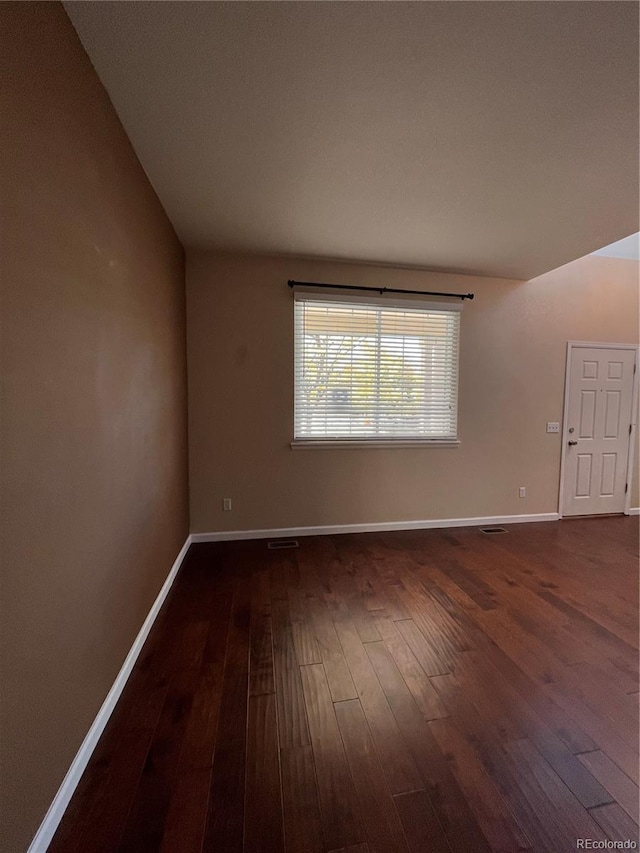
x: 372, y: 444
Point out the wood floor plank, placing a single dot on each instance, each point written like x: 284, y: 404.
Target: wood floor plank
x: 477, y: 679
x: 421, y: 825
x: 292, y: 720
x: 145, y: 825
x: 557, y: 719
x: 623, y: 749
x: 399, y: 767
x: 421, y: 585
x: 587, y: 696
x: 100, y: 824
x: 607, y: 687
x: 352, y: 608
x: 387, y: 593
x: 509, y: 716
x: 415, y: 677
x: 616, y: 824
x: 499, y: 825
x: 617, y: 783
x: 263, y: 828
x: 529, y: 656
x: 187, y: 813
x: 569, y: 818
x: 338, y: 805
x: 454, y: 814
x: 377, y: 810
x: 457, y: 570
x: 261, y: 678
x: 225, y: 818
x: 522, y: 795
x: 424, y: 653
x: 598, y: 633
x: 562, y: 724
x: 300, y: 804
x: 442, y: 633
x: 570, y: 571
x: 304, y: 638
x: 427, y: 567
x: 385, y: 574
x: 338, y: 676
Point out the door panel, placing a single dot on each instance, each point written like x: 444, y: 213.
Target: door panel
x: 607, y: 483
x: 583, y: 475
x: 612, y: 414
x: 596, y: 445
x: 587, y: 414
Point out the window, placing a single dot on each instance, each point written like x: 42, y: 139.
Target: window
x: 370, y: 370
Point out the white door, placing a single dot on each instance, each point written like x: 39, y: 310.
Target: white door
x: 598, y: 426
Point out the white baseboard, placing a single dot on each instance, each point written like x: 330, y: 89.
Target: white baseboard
x: 325, y: 530
x: 634, y: 510
x: 61, y: 800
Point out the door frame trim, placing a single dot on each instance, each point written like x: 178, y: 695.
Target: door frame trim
x: 565, y: 415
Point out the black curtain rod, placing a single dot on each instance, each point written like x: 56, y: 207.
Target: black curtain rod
x: 379, y: 289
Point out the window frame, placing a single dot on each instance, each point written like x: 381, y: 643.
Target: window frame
x: 375, y: 441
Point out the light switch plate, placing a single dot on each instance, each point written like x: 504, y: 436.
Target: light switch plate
x: 553, y: 426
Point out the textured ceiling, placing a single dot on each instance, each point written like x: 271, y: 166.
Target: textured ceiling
x: 491, y: 137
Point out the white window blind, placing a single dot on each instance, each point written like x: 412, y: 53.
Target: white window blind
x: 367, y: 369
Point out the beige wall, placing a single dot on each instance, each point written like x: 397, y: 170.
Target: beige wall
x: 94, y: 460
x: 513, y: 344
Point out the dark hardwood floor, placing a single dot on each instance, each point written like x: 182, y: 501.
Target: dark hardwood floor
x: 435, y: 691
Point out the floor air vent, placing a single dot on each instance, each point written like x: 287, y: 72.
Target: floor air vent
x: 493, y: 530
x: 283, y: 543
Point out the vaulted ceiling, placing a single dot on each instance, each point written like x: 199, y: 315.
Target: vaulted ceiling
x: 490, y: 137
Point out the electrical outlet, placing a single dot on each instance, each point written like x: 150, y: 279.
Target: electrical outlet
x: 226, y: 504
x: 553, y: 426
x: 522, y: 492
